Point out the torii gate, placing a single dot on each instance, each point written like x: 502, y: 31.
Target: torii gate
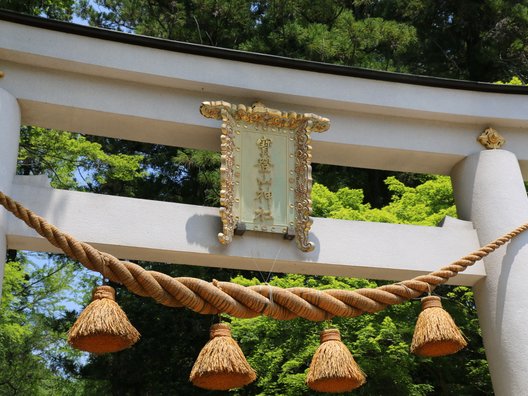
x: 69, y: 77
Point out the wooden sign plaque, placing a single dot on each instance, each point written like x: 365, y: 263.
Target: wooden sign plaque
x: 265, y: 170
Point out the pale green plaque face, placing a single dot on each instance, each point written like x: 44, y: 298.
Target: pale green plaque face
x: 264, y: 177
x: 265, y: 172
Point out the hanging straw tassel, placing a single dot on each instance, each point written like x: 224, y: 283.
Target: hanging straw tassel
x: 102, y: 327
x: 221, y: 364
x: 436, y: 334
x: 333, y: 369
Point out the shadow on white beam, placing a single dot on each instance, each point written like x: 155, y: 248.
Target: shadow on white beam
x: 138, y: 229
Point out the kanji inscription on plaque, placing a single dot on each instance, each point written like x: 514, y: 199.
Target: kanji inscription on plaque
x: 265, y: 169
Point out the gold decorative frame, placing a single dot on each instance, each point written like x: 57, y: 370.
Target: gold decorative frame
x: 300, y: 127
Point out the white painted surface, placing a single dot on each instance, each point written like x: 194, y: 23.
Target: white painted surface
x: 489, y: 191
x: 176, y: 233
x: 146, y: 94
x: 9, y: 136
x: 67, y: 52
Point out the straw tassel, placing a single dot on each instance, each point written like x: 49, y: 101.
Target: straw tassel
x: 221, y: 364
x: 333, y: 369
x: 436, y: 334
x: 102, y: 327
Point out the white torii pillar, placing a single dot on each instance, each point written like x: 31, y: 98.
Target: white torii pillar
x: 9, y: 137
x: 489, y: 191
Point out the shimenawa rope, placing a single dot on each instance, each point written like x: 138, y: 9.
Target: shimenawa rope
x: 246, y: 302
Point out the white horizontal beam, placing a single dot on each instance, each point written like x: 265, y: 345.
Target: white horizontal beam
x: 186, y: 234
x: 101, y: 87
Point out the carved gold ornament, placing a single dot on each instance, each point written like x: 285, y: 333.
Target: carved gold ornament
x: 227, y: 177
x: 265, y: 173
x: 491, y: 139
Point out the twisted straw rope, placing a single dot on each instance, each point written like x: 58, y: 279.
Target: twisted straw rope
x: 247, y: 302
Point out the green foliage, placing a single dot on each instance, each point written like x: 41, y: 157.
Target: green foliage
x: 476, y: 40
x: 426, y: 204
x: 33, y: 350
x: 167, y: 173
x: 333, y: 36
x: 201, y: 178
x: 72, y: 161
x: 55, y: 9
x: 323, y: 30
x: 212, y: 22
x: 514, y: 81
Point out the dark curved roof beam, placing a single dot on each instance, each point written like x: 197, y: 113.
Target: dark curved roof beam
x: 101, y: 82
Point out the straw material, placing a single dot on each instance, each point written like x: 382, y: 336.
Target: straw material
x: 102, y: 327
x: 221, y: 365
x: 436, y: 334
x: 244, y: 302
x: 333, y: 369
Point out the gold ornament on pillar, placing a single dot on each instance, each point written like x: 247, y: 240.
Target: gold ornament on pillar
x: 491, y: 139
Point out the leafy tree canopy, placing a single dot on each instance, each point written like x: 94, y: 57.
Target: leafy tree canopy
x: 34, y: 359
x: 55, y: 9
x: 476, y: 40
